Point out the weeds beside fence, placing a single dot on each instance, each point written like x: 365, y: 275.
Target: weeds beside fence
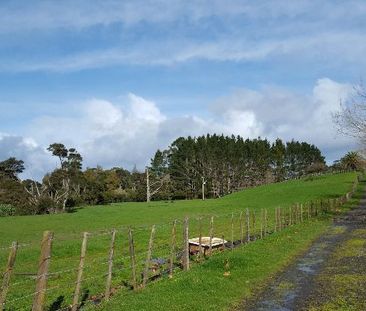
x: 72, y: 273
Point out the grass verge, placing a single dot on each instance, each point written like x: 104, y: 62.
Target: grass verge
x: 224, y: 280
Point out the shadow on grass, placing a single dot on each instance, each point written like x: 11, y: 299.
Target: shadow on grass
x: 57, y: 304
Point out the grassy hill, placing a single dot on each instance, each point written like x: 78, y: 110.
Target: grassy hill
x: 96, y: 219
x: 93, y: 218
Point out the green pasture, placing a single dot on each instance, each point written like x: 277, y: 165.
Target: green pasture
x: 99, y: 220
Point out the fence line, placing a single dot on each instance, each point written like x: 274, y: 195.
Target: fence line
x: 178, y: 252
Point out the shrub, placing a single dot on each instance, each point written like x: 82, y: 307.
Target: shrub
x: 6, y: 210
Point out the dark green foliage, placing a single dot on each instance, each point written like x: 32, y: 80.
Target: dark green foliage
x: 6, y: 210
x: 60, y: 151
x: 13, y: 197
x: 63, y: 185
x: 299, y: 156
x: 352, y: 161
x: 278, y: 151
x: 10, y: 168
x: 228, y: 164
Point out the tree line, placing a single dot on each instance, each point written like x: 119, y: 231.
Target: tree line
x: 207, y: 166
x: 214, y: 165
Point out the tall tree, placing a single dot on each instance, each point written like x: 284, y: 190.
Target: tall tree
x: 10, y: 168
x: 65, y: 183
x: 59, y: 150
x: 157, y: 176
x: 278, y: 150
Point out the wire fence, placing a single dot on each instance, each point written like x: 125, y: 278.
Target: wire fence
x: 69, y: 274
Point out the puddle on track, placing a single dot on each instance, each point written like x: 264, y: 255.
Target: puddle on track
x: 300, y: 276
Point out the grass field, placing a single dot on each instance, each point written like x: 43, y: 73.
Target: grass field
x: 68, y: 228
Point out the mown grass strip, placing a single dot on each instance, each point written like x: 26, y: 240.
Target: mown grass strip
x: 224, y: 280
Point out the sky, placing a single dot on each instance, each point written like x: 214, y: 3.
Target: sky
x: 119, y: 79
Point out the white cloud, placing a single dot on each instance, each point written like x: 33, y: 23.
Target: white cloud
x: 80, y: 14
x: 144, y: 110
x: 115, y: 134
x: 236, y: 122
x: 319, y: 47
x: 102, y: 115
x: 280, y: 113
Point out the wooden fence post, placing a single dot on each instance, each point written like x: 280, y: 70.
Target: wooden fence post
x: 186, y: 245
x: 262, y: 221
x: 254, y: 223
x: 172, y: 248
x: 200, y: 237
x: 276, y: 219
x: 316, y: 208
x: 290, y: 217
x: 311, y: 209
x: 232, y: 231
x: 211, y: 233
x: 265, y: 221
x: 301, y: 213
x: 248, y: 224
x: 148, y: 257
x: 7, y: 274
x: 280, y: 217
x: 297, y: 212
x: 80, y: 273
x: 241, y: 228
x: 43, y: 265
x: 133, y: 258
x: 110, y: 266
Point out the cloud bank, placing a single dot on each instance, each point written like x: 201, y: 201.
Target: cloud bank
x: 127, y: 134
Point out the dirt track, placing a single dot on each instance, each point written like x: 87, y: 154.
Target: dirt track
x: 331, y: 275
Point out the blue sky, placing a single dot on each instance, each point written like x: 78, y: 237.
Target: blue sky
x: 119, y: 79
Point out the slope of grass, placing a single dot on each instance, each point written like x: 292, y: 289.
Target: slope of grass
x: 67, y: 228
x: 29, y: 228
x: 224, y: 281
